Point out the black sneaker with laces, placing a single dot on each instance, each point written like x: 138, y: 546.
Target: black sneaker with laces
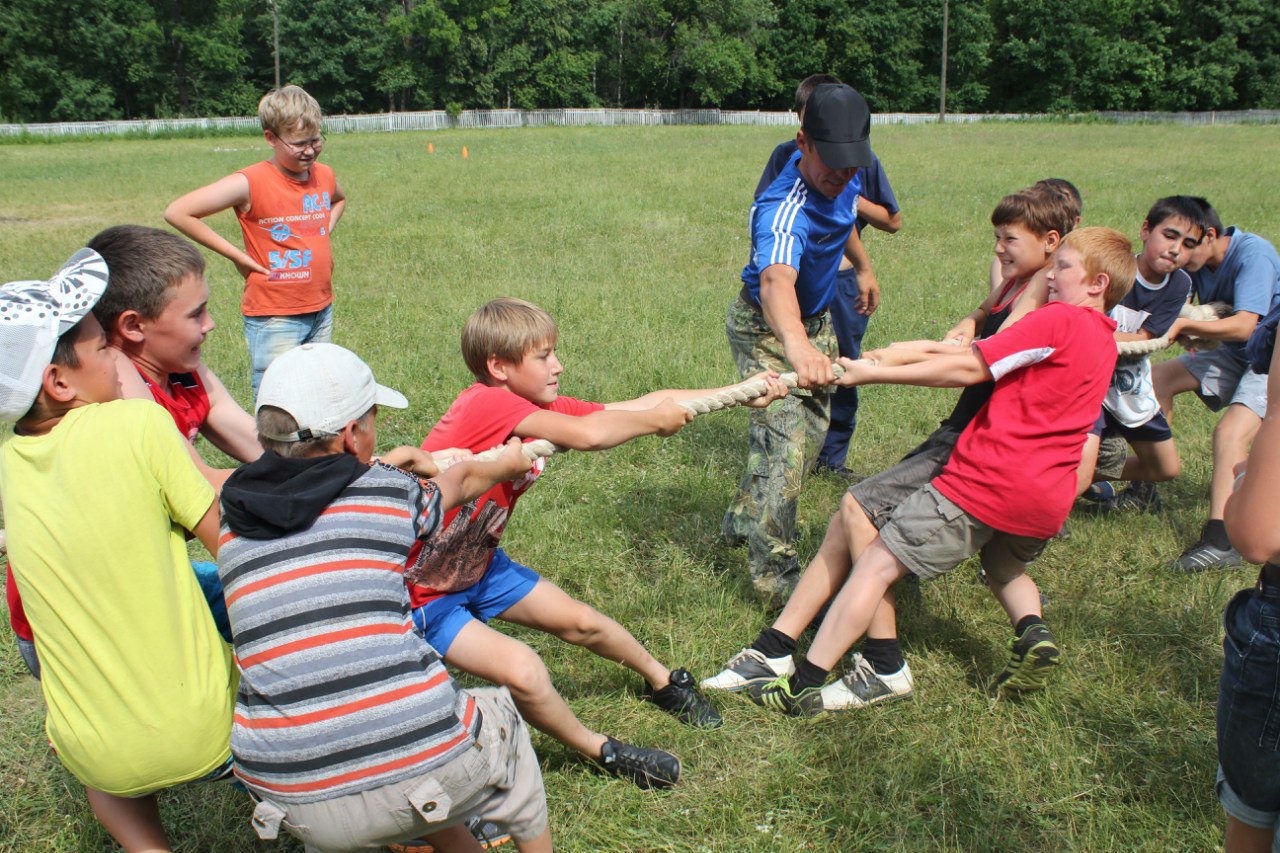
x: 643, y: 765
x: 1139, y: 496
x: 682, y: 699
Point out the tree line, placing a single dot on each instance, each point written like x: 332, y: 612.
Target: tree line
x: 69, y: 60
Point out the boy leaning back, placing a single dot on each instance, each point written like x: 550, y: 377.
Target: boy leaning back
x: 509, y: 346
x: 99, y: 494
x: 1051, y: 371
x: 288, y: 207
x: 349, y: 730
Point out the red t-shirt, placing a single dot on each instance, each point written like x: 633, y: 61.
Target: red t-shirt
x: 1014, y: 467
x: 186, y: 401
x: 482, y: 418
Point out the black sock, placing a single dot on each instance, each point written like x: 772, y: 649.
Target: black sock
x: 885, y: 656
x: 1026, y: 622
x: 808, y: 674
x: 772, y: 643
x: 1215, y: 533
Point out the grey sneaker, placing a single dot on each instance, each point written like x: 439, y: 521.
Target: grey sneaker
x: 1140, y: 496
x: 1204, y: 555
x: 749, y: 670
x: 646, y: 766
x: 862, y: 686
x: 1032, y: 658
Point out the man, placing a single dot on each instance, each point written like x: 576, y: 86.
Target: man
x: 1242, y: 270
x: 780, y: 321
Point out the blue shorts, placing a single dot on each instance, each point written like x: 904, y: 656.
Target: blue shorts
x: 504, y: 583
x: 1155, y: 430
x: 1249, y: 709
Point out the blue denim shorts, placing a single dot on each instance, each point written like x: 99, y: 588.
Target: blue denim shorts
x: 1249, y: 709
x: 271, y: 337
x: 503, y: 584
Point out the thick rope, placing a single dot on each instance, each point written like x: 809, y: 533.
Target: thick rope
x: 1211, y: 311
x: 728, y: 398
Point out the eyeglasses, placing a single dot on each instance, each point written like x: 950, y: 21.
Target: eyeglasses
x: 298, y: 147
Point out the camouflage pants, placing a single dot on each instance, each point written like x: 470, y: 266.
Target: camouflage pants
x: 783, y: 442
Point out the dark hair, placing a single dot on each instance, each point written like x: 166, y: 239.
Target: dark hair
x: 144, y: 265
x: 273, y: 420
x: 1038, y: 209
x: 1185, y: 207
x: 64, y: 352
x: 1210, y: 220
x: 1070, y: 197
x: 807, y: 85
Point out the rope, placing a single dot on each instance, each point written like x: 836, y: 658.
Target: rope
x: 1211, y: 311
x: 726, y: 398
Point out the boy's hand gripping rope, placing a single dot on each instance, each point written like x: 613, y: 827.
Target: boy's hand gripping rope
x: 1211, y: 311
x: 727, y: 398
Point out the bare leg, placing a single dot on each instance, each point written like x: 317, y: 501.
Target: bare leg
x: 1242, y: 838
x: 855, y: 605
x: 1155, y: 461
x: 1170, y: 378
x: 1088, y: 462
x: 495, y: 657
x: 453, y: 839
x: 1231, y: 439
x: 1019, y: 597
x: 549, y: 609
x: 819, y: 582
x: 133, y: 822
x: 541, y: 844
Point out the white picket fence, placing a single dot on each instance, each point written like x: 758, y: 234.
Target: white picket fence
x: 484, y: 119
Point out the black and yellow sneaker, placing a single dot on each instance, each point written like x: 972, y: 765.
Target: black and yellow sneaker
x: 1032, y: 658
x: 778, y: 696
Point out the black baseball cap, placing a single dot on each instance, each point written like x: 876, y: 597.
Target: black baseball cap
x: 837, y: 120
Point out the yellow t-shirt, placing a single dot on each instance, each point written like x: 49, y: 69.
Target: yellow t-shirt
x: 138, y: 685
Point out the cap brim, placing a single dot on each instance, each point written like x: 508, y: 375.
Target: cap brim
x: 845, y: 155
x: 385, y: 396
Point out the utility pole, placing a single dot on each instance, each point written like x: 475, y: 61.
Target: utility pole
x: 942, y: 97
x: 275, y: 32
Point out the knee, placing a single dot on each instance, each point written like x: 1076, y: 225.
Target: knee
x: 851, y: 516
x: 582, y: 626
x: 1235, y: 430
x: 526, y: 676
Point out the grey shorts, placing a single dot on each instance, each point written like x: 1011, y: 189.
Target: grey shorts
x: 880, y: 494
x: 931, y: 536
x: 498, y: 779
x: 1226, y: 379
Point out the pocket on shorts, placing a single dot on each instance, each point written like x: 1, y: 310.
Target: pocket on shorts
x: 268, y: 818
x: 923, y: 516
x: 1251, y: 670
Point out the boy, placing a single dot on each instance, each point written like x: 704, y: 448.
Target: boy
x: 99, y: 494
x: 1242, y: 270
x: 288, y: 207
x: 509, y: 346
x: 1027, y: 228
x: 348, y: 730
x: 857, y: 291
x: 155, y: 314
x: 1170, y: 233
x: 1051, y: 371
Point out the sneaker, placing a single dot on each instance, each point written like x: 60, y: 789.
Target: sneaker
x: 647, y: 767
x: 1140, y: 496
x: 749, y: 670
x: 681, y: 698
x: 1205, y: 555
x: 1031, y: 658
x: 862, y: 686
x: 845, y: 473
x: 1099, y: 493
x: 778, y: 696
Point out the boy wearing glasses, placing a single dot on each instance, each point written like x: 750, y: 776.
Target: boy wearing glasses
x: 287, y: 207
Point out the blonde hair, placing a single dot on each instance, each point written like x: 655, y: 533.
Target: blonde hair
x: 505, y: 327
x: 284, y: 108
x: 1108, y: 252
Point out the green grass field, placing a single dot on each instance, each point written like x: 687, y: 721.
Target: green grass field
x: 633, y: 239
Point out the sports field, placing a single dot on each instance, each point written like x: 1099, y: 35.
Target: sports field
x: 633, y: 239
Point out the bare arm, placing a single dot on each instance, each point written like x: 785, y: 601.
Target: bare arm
x: 1033, y: 296
x: 467, y: 480
x: 776, y: 390
x: 1237, y: 327
x: 1252, y: 510
x: 337, y: 204
x: 948, y: 371
x: 878, y: 216
x: 206, y: 529
x: 227, y: 426
x: 868, y: 287
x: 188, y: 212
x: 782, y: 313
x: 602, y: 430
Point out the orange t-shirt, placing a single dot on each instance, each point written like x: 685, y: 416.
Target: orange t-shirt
x: 286, y: 229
